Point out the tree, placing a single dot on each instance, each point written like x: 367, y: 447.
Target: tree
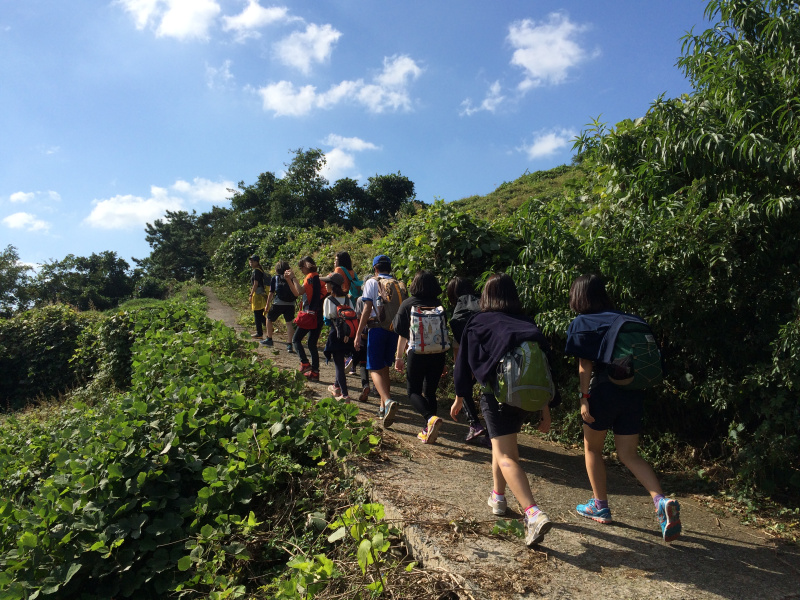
x: 14, y: 282
x: 386, y: 195
x: 177, y: 243
x: 99, y: 281
x: 302, y: 198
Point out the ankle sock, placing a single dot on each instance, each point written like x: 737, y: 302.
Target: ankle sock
x: 497, y: 496
x: 657, y: 499
x: 601, y: 504
x: 532, y: 511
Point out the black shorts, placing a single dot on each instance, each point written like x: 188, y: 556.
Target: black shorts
x: 501, y: 419
x: 278, y: 310
x: 616, y: 409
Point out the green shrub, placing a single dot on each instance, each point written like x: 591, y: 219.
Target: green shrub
x: 149, y: 492
x: 35, y: 349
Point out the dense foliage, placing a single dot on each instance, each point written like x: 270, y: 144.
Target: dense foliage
x: 153, y: 490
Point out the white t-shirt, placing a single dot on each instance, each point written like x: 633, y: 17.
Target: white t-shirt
x: 329, y: 308
x: 372, y: 291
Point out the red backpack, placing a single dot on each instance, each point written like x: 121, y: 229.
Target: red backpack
x: 346, y: 321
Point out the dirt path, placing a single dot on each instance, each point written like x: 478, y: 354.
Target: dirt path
x: 439, y: 494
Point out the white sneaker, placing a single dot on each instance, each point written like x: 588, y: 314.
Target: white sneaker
x: 391, y: 411
x: 536, y: 528
x: 497, y: 503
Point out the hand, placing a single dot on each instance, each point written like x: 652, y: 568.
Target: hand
x: 456, y: 407
x: 544, y: 423
x: 288, y: 274
x: 357, y: 342
x: 587, y: 418
x: 398, y: 361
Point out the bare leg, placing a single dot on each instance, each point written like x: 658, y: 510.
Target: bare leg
x: 627, y: 451
x: 505, y: 454
x: 381, y: 380
x: 289, y: 330
x: 595, y: 467
x: 270, y: 329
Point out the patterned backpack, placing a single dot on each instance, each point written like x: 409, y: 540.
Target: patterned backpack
x: 428, y: 330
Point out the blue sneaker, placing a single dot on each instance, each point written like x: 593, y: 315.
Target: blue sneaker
x: 669, y: 518
x: 590, y: 511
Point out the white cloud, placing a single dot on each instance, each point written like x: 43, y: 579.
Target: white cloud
x: 21, y: 196
x: 301, y: 49
x: 546, y: 51
x: 130, y: 212
x: 203, y: 190
x: 546, y: 143
x: 219, y: 77
x: 27, y: 221
x: 389, y: 91
x: 181, y: 19
x: 252, y: 18
x: 340, y: 160
x: 494, y: 98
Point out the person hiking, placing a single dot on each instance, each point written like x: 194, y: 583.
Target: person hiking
x: 312, y: 302
x: 423, y: 370
x: 487, y: 337
x: 338, y: 346
x: 280, y: 302
x: 258, y: 295
x: 359, y: 358
x: 465, y: 302
x: 381, y: 341
x: 604, y: 406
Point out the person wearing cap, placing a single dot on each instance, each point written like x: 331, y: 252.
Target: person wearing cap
x: 381, y: 343
x: 258, y: 295
x: 338, y: 349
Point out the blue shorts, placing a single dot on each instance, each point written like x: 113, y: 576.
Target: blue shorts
x: 616, y: 409
x: 381, y: 348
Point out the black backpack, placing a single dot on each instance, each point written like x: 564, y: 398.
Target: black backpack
x: 282, y: 289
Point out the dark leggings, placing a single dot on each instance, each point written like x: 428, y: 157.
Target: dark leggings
x: 261, y: 320
x: 423, y: 372
x: 341, y: 376
x: 313, y: 338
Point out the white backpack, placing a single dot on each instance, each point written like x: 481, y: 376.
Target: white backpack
x: 428, y: 330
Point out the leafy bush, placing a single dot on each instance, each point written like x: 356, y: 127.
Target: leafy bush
x: 448, y: 242
x: 149, y: 491
x: 35, y: 349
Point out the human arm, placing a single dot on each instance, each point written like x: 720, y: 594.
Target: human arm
x: 362, y: 322
x: 458, y: 403
x: 544, y: 423
x: 294, y: 284
x: 401, y: 350
x: 584, y: 378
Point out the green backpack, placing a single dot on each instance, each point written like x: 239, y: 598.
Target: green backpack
x: 523, y: 378
x: 636, y: 360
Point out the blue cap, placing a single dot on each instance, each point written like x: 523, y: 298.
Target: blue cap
x: 381, y: 258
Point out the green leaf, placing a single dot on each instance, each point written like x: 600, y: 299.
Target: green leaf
x: 363, y: 555
x: 184, y: 563
x: 337, y: 535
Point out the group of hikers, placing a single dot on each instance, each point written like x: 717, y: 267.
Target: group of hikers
x: 378, y: 324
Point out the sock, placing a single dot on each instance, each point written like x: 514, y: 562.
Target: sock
x: 601, y: 503
x: 657, y: 499
x: 532, y: 511
x: 497, y: 496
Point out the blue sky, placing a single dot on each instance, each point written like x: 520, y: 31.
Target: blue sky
x: 113, y: 112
